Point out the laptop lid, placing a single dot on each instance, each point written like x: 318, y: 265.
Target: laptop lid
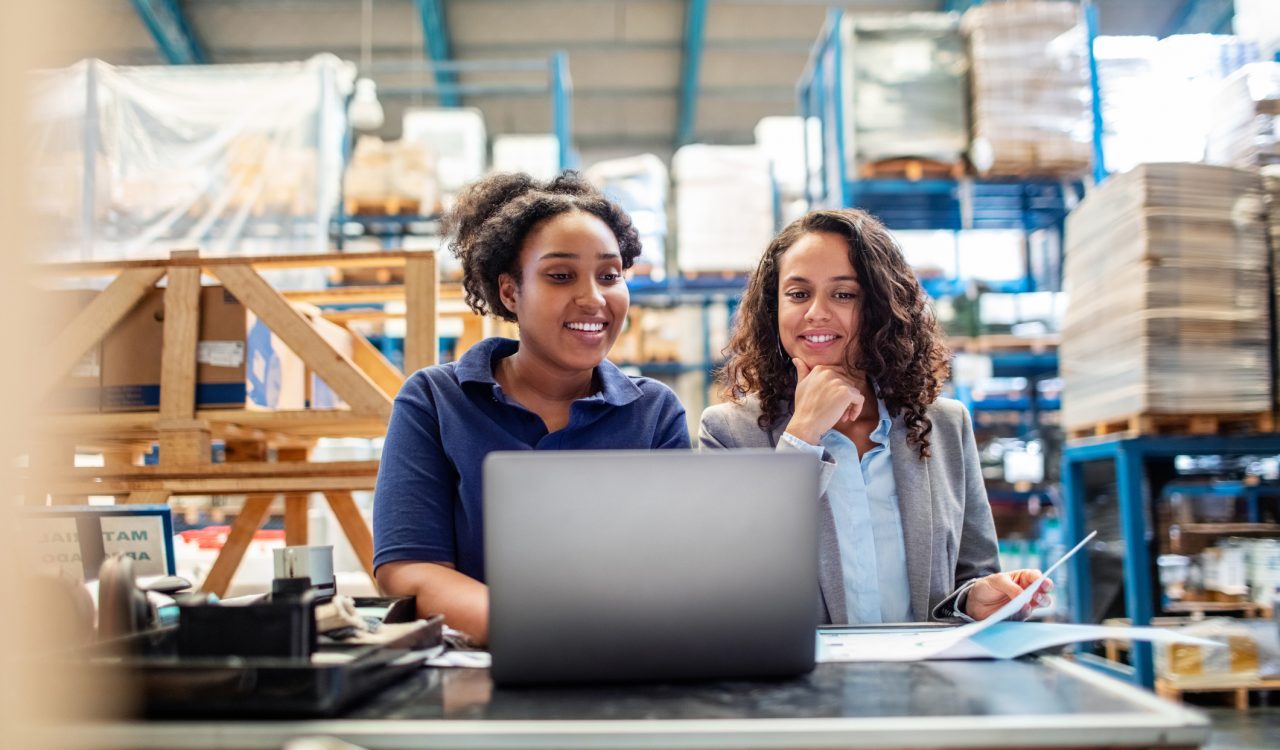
x: 650, y: 565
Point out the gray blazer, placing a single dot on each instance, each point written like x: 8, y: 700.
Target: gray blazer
x: 947, y: 527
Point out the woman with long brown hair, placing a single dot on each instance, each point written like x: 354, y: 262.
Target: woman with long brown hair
x: 837, y: 353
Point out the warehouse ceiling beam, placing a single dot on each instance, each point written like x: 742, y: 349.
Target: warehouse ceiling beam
x: 168, y: 25
x: 1201, y: 17
x: 695, y: 24
x: 435, y: 39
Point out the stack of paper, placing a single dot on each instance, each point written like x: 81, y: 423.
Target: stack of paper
x: 1166, y: 276
x: 1031, y: 93
x: 1245, y: 129
x: 907, y: 88
x: 996, y: 637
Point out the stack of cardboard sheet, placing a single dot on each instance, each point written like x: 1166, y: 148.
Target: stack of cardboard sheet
x: 1271, y: 189
x: 906, y: 91
x: 1245, y: 129
x: 1166, y: 274
x: 1031, y: 93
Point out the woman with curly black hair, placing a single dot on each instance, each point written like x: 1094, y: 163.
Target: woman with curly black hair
x: 549, y: 257
x: 836, y: 353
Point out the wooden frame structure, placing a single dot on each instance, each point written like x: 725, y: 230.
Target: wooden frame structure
x: 366, y: 381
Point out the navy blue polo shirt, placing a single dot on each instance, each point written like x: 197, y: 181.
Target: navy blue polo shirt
x: 447, y: 418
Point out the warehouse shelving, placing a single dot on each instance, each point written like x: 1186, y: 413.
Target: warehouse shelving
x: 1027, y: 204
x: 1138, y: 461
x: 557, y: 86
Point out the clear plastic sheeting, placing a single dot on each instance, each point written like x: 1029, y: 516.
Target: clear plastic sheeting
x: 639, y: 185
x: 1167, y: 280
x: 1031, y: 91
x: 1245, y: 129
x: 133, y: 162
x: 905, y: 87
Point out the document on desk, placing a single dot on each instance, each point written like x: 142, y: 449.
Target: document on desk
x: 992, y: 638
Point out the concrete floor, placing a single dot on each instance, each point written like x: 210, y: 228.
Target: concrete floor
x: 1259, y: 727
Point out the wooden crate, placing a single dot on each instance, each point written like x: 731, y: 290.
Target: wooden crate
x: 364, y: 380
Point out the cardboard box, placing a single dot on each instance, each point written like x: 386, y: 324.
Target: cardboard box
x: 79, y: 390
x: 240, y: 363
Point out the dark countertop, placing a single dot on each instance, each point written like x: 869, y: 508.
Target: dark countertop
x: 1046, y: 702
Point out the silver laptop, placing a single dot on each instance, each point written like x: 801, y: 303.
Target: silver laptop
x: 650, y: 565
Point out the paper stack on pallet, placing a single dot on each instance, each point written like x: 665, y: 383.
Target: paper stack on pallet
x: 906, y: 90
x: 1166, y: 275
x: 1031, y: 98
x: 1245, y: 129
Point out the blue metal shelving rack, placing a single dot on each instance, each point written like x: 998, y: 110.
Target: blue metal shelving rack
x: 1025, y: 204
x: 1133, y: 459
x: 913, y: 204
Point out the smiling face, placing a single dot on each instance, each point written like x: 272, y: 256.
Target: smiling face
x: 819, y: 301
x: 571, y: 299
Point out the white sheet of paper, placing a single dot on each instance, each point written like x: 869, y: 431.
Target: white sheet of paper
x: 1009, y: 640
x: 992, y: 638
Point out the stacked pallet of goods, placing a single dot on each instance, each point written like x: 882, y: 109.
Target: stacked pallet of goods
x: 1031, y: 92
x: 1167, y: 279
x: 906, y: 94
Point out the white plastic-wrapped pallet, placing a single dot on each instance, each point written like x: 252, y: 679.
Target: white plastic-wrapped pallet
x: 456, y: 136
x: 724, y: 207
x: 1259, y: 22
x: 1160, y: 97
x: 1129, y: 100
x: 1166, y: 274
x: 1031, y: 92
x: 1245, y: 127
x: 905, y: 87
x: 133, y: 162
x: 535, y: 155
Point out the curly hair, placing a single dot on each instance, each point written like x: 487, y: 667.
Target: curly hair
x: 494, y: 215
x: 902, y: 349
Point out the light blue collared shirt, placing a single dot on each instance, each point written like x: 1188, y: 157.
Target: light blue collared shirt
x: 864, y: 505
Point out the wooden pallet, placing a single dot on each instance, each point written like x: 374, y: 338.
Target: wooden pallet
x: 391, y: 205
x: 913, y: 169
x: 1238, y: 688
x: 1005, y: 343
x: 1176, y: 424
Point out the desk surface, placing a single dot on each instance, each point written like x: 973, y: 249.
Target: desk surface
x: 1029, y: 703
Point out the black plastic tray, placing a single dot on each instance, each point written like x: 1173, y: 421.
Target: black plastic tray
x: 258, y: 687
